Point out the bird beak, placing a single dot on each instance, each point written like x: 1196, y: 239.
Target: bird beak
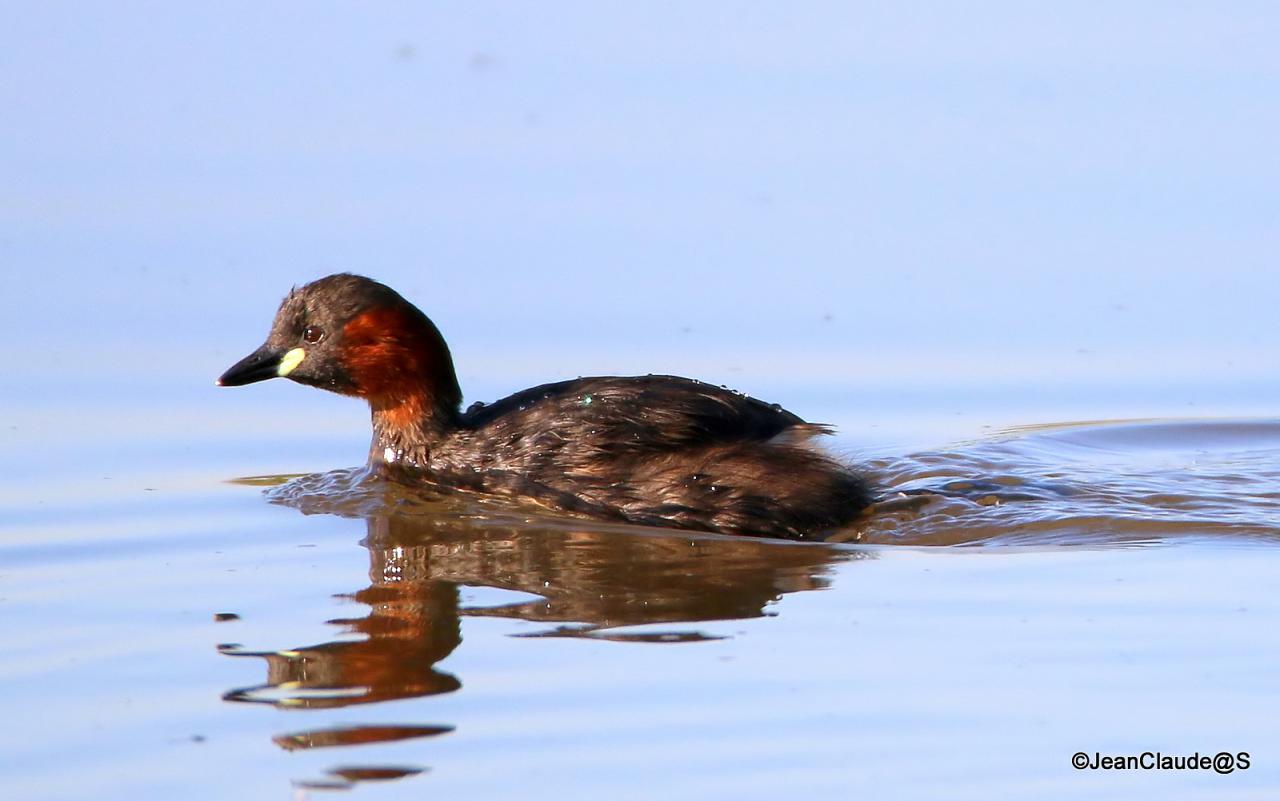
x: 263, y: 363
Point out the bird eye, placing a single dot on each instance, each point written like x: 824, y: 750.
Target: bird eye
x: 312, y: 334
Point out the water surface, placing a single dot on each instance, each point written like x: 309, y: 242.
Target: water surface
x: 1108, y: 587
x: 1022, y: 258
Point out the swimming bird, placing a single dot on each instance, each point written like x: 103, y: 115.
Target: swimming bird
x: 655, y: 450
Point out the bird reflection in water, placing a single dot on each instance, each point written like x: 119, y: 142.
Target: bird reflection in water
x: 598, y: 582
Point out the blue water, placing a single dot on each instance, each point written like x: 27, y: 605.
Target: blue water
x: 1028, y: 246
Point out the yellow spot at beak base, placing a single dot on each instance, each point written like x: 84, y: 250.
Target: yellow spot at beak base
x: 290, y: 361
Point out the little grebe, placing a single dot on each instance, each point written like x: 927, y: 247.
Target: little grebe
x: 656, y: 450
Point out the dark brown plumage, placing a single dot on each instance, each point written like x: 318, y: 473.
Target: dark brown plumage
x: 657, y: 450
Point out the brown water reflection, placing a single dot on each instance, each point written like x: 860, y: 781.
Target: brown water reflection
x: 1105, y: 484
x: 588, y: 583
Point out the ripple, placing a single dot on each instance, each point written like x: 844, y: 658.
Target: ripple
x: 355, y: 735
x: 1096, y: 483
